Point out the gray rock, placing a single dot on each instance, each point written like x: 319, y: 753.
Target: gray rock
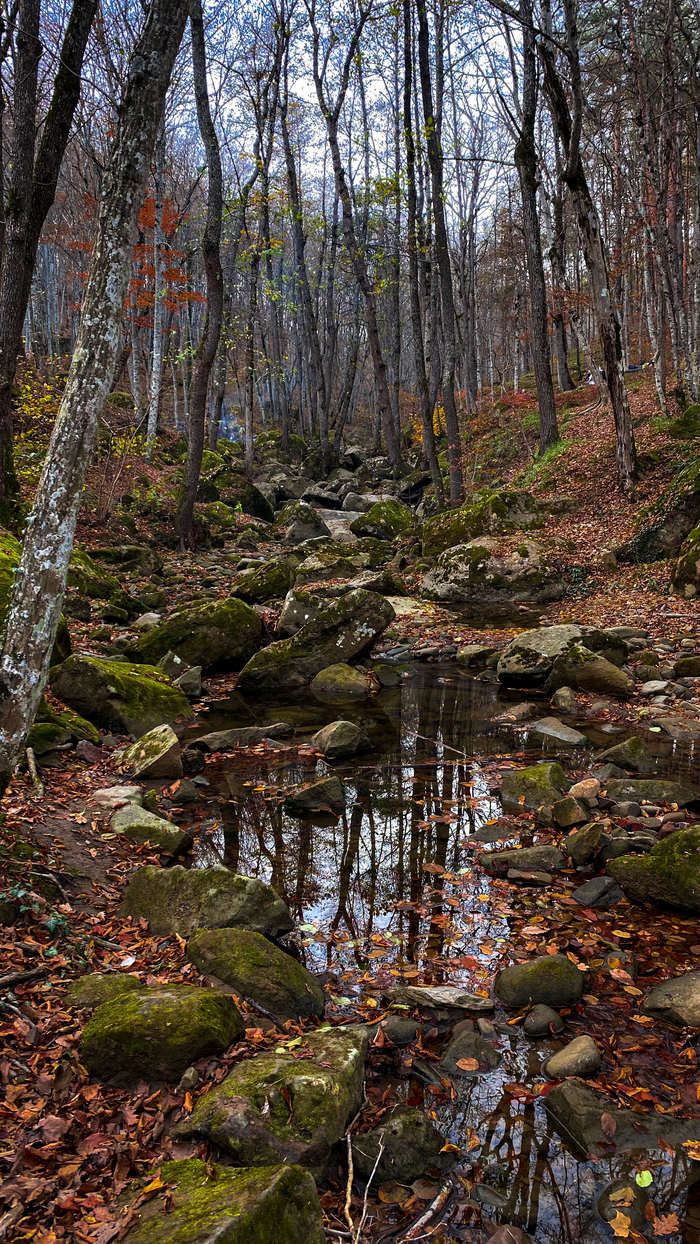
x: 551, y: 730
x: 538, y: 785
x: 325, y: 1090
x: 257, y: 970
x: 442, y: 1000
x: 121, y: 696
x: 587, y: 671
x: 299, y: 608
x: 677, y: 1001
x: 607, y: 772
x: 552, y: 979
x: 344, y: 630
x: 648, y: 791
x: 340, y: 682
x: 569, y: 811
x: 410, y: 1143
x: 475, y: 656
x: 172, y: 665
x: 178, y: 900
x: 524, y: 857
x: 300, y: 522
x: 245, y: 736
x: 155, y: 755
x: 328, y: 794
x: 340, y: 739
x: 142, y: 826
x: 542, y: 1021
x: 530, y: 876
x: 190, y: 683
x: 678, y: 728
x: 528, y: 659
x: 575, y: 1109
x: 399, y: 1030
x: 608, y: 1206
x: 156, y: 1033
x: 564, y: 700
x: 632, y: 754
x: 354, y: 502
x: 584, y: 843
x: 670, y: 873
x: 580, y: 1057
x: 469, y: 1045
x: 481, y: 570
x: 116, y: 796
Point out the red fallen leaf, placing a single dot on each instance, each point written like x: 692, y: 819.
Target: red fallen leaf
x: 96, y: 1140
x: 53, y: 1128
x: 667, y: 1225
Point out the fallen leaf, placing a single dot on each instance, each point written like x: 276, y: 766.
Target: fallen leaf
x: 692, y: 1148
x: 667, y: 1225
x: 622, y: 1196
x: 394, y: 1194
x: 425, y: 1190
x: 468, y: 1064
x: 620, y: 1225
x: 608, y: 1125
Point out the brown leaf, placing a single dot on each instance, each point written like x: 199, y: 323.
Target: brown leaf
x: 425, y: 1190
x: 394, y: 1194
x: 53, y: 1128
x: 620, y: 1225
x: 622, y: 1196
x: 468, y: 1064
x: 608, y: 1125
x: 667, y: 1225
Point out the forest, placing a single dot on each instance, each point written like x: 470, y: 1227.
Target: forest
x: 349, y: 621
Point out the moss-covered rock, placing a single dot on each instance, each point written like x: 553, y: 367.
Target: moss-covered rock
x: 670, y: 873
x: 327, y: 564
x: 587, y: 671
x: 323, y: 796
x: 340, y: 739
x: 178, y: 900
x: 90, y: 579
x: 269, y: 581
x: 278, y: 1108
x: 257, y: 970
x: 138, y: 559
x: 342, y: 631
x: 300, y: 522
x: 687, y: 426
x: 670, y: 520
x: 632, y: 754
x: 535, y: 787
x: 340, y: 682
x: 551, y: 979
x: 93, y: 990
x: 491, y: 514
x: 46, y: 736
x: 229, y: 1206
x: 238, y: 491
x: 486, y: 570
x: 140, y: 825
x: 685, y: 577
x: 216, y: 634
x: 409, y: 1142
x: 529, y: 658
x: 157, y: 1033
x: 385, y: 520
x: 117, y: 695
x: 155, y: 755
x: 651, y: 790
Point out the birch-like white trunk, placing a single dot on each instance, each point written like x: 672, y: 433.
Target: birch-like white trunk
x: 35, y: 608
x: 157, y: 363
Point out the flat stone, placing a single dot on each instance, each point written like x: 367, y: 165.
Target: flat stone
x: 142, y: 826
x: 552, y: 979
x: 648, y: 791
x: 678, y: 728
x: 598, y: 893
x: 323, y: 796
x: 400, y: 1031
x: 677, y: 1001
x: 551, y: 729
x: 228, y: 1205
x: 247, y: 736
x: 568, y: 812
x: 632, y: 754
x: 545, y: 857
x: 179, y: 900
x: 111, y: 797
x: 531, y: 876
x: 576, y: 1109
x: 656, y: 686
x: 475, y: 656
x: 472, y: 1047
x: 439, y: 998
x: 542, y: 1021
x: 580, y: 1057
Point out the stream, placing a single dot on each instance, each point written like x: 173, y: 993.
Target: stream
x: 388, y: 894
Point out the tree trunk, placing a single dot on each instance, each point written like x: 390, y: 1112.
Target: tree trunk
x: 211, y: 255
x: 31, y: 192
x: 526, y: 164
x: 35, y: 608
x: 442, y: 250
x: 157, y: 353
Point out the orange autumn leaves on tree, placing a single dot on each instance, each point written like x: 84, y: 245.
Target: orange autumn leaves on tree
x: 175, y: 276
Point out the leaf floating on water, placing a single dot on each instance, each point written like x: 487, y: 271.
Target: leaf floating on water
x: 643, y: 1178
x: 436, y: 869
x: 609, y: 1127
x: 692, y: 1148
x: 621, y: 1226
x: 668, y: 1225
x: 394, y: 1194
x: 425, y: 1190
x: 622, y: 1196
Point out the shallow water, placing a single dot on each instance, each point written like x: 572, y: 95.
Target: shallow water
x: 388, y: 893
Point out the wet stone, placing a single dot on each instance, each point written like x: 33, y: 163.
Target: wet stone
x: 552, y: 979
x: 582, y: 845
x: 543, y: 1021
x: 568, y: 812
x: 600, y: 892
x: 472, y: 1048
x: 580, y: 1057
x: 410, y: 1143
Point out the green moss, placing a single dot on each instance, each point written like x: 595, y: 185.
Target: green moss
x: 385, y: 520
x: 111, y: 693
x: 90, y: 579
x: 257, y: 969
x: 269, y: 581
x: 670, y: 873
x: 45, y: 736
x: 96, y: 988
x: 213, y: 634
x: 239, y: 491
x: 497, y: 512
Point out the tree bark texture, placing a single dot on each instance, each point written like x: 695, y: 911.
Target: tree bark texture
x: 211, y: 254
x: 157, y: 351
x: 35, y: 608
x: 31, y: 192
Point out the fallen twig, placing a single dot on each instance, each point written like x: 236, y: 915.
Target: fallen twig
x: 358, y: 1234
x: 15, y: 978
x: 434, y: 1208
x: 33, y: 772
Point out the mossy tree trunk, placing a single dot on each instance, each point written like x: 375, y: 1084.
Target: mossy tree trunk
x: 35, y: 608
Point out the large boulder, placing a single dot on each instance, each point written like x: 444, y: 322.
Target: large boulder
x: 340, y: 739
x: 345, y: 629
x: 178, y: 900
x: 400, y: 1148
x: 537, y: 786
x: 326, y: 795
x: 676, y: 1000
x: 216, y: 634
x: 138, y: 559
x: 156, y: 754
x: 650, y: 790
x: 484, y: 571
x: 142, y: 826
x: 228, y: 1205
x: 96, y: 583
x: 670, y: 873
x: 385, y: 520
x: 158, y: 1032
x: 493, y: 513
x: 529, y: 659
x: 279, y: 1108
x: 269, y: 581
x: 587, y: 671
x: 257, y: 969
x: 300, y: 522
x: 118, y: 695
x: 672, y: 518
x: 551, y: 979
x: 236, y: 490
x: 685, y: 576
x: 631, y: 754
x: 88, y: 992
x: 340, y: 682
x: 299, y: 608
x: 577, y: 1110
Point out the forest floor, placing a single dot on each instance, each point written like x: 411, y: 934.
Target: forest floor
x: 69, y: 1145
